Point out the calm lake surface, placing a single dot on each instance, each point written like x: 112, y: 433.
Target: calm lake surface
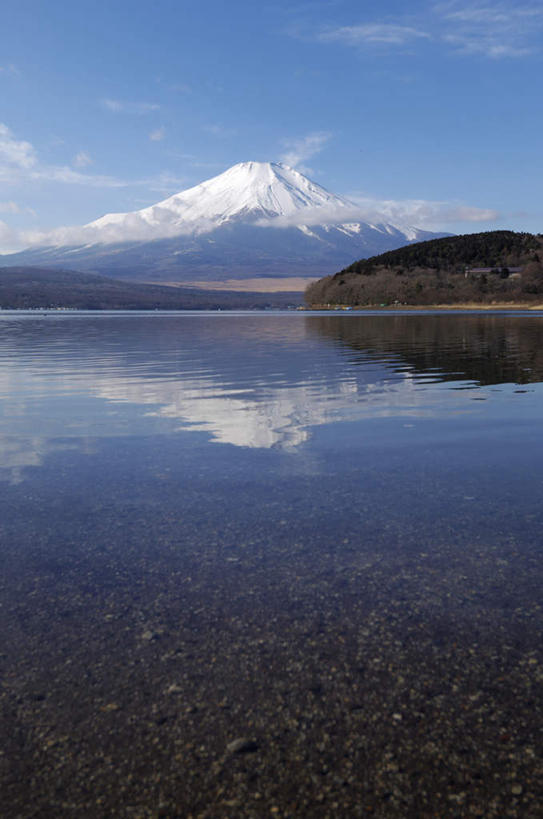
x: 271, y: 565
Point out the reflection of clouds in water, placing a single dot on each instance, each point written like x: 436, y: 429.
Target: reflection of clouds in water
x: 17, y: 454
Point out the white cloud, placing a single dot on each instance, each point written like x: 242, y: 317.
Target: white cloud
x: 14, y: 152
x: 374, y: 33
x: 303, y: 148
x: 82, y: 159
x: 11, y: 240
x: 119, y: 106
x: 421, y: 213
x: 157, y: 135
x: 19, y: 162
x: 404, y: 213
x: 133, y: 228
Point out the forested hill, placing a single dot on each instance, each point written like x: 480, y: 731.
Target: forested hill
x: 486, y: 267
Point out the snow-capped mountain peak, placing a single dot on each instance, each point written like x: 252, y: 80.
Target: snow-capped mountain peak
x: 245, y: 192
x: 255, y: 219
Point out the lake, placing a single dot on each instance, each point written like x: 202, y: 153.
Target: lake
x: 273, y: 564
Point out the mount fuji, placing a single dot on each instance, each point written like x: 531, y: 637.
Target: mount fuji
x: 257, y: 219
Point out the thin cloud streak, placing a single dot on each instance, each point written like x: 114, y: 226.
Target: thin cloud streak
x: 374, y: 33
x: 19, y: 163
x: 500, y: 30
x: 486, y: 46
x: 82, y: 159
x: 501, y: 14
x: 157, y: 135
x: 219, y: 131
x: 496, y: 31
x: 10, y: 207
x: 303, y: 148
x: 10, y: 69
x: 121, y: 107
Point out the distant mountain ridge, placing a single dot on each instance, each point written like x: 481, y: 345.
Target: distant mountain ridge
x: 34, y: 287
x: 255, y: 219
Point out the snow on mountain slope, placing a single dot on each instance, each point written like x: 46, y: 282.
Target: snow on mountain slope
x: 246, y: 192
x: 256, y: 218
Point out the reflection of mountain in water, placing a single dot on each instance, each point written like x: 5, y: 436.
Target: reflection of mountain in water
x: 254, y: 381
x: 485, y: 349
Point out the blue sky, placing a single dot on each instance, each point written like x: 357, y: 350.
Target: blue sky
x: 430, y: 112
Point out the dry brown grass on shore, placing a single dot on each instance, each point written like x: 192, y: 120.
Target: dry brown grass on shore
x: 294, y: 284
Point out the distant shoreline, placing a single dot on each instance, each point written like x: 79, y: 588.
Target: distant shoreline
x: 405, y: 307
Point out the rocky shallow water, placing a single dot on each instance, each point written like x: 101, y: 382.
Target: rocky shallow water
x: 349, y: 625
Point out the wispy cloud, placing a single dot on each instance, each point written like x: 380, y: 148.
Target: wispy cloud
x: 10, y: 240
x: 301, y: 149
x: 374, y: 33
x: 82, y: 160
x: 134, y: 227
x: 181, y: 88
x: 493, y: 29
x: 489, y: 15
x: 123, y: 107
x: 219, y: 130
x: 19, y: 162
x: 157, y: 135
x: 403, y: 213
x: 485, y: 45
x: 165, y: 183
x: 15, y: 153
x: 63, y: 173
x: 9, y: 207
x: 421, y: 213
x: 10, y: 68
